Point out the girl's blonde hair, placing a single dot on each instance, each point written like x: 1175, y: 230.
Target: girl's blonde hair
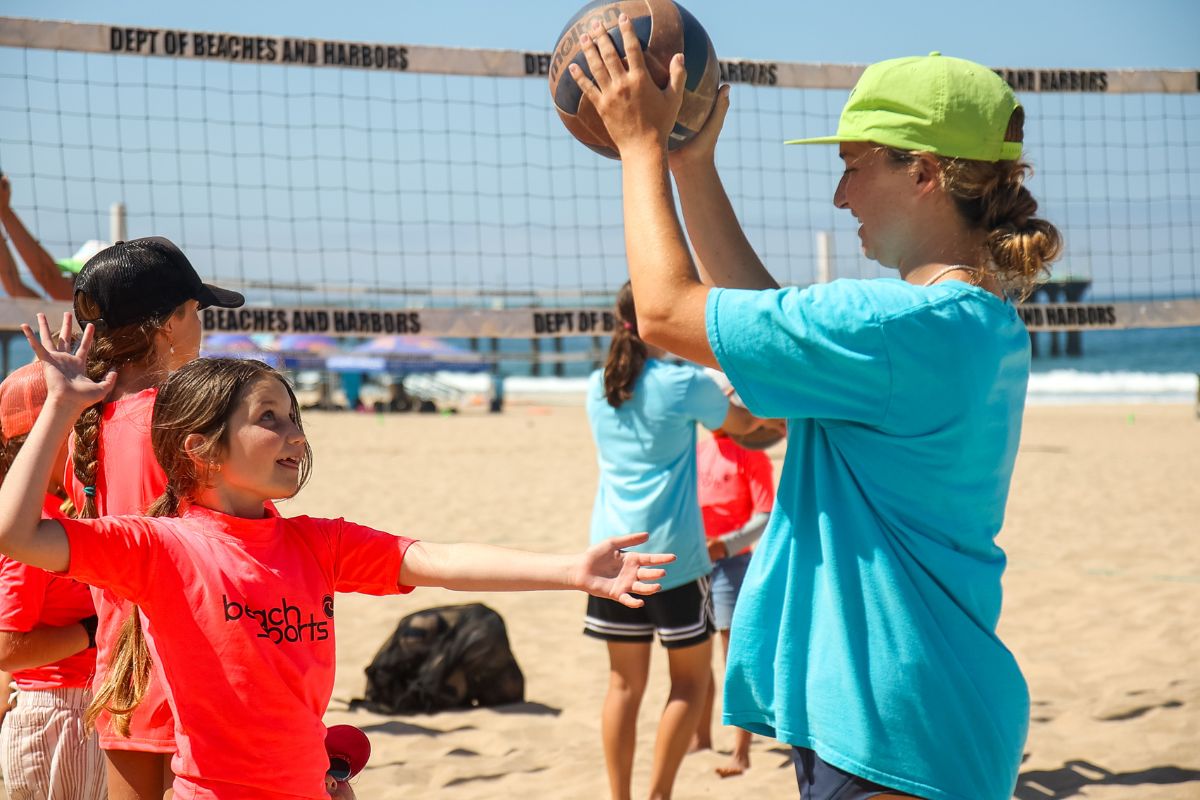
x: 200, y: 397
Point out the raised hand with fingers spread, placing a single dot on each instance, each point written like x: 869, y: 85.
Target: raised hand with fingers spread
x: 635, y: 110
x: 67, y: 381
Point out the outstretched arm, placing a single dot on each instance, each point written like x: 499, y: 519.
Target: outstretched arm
x: 723, y: 253
x: 603, y: 570
x: 45, y: 271
x: 10, y: 279
x: 24, y: 536
x: 739, y: 421
x: 40, y: 646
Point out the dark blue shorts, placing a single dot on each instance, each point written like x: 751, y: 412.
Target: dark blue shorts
x: 819, y: 780
x: 727, y: 577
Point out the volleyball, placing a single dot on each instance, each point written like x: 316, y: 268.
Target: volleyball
x: 664, y: 28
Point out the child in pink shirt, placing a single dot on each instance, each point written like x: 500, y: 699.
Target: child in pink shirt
x: 144, y: 297
x: 239, y: 602
x: 47, y: 642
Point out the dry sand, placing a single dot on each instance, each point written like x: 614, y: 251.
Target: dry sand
x: 1102, y: 604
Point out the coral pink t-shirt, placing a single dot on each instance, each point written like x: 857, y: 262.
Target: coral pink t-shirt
x: 33, y: 598
x: 733, y: 484
x: 240, y: 620
x: 128, y: 481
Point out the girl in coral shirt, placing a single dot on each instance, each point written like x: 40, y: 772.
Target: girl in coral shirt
x: 144, y: 297
x: 239, y: 602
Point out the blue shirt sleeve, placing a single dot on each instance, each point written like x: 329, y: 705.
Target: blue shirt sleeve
x: 704, y: 401
x: 794, y: 353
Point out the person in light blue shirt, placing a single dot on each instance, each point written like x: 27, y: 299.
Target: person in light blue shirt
x: 643, y: 413
x: 865, y: 634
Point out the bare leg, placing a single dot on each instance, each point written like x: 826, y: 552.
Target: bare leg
x: 691, y: 673
x: 629, y: 666
x: 739, y: 760
x: 138, y: 776
x: 702, y: 738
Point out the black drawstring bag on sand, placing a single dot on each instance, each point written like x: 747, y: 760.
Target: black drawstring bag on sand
x: 444, y: 658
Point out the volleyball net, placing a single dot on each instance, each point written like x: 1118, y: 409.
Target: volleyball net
x: 354, y: 188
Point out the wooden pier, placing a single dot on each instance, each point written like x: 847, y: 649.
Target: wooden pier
x: 1060, y: 290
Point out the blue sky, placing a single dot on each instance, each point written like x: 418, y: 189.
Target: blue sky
x: 396, y: 182
x: 1020, y: 33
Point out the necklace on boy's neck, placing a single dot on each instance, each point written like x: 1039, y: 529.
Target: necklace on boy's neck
x: 952, y: 268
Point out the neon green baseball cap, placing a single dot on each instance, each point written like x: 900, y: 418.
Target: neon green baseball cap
x: 935, y: 104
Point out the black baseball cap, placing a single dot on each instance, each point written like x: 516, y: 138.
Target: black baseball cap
x: 142, y: 279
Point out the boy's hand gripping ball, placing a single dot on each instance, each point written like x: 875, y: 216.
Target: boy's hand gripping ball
x: 664, y: 28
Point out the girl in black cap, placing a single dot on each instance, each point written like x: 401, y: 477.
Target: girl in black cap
x: 143, y: 296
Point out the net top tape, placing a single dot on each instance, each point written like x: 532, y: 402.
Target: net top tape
x: 553, y: 323
x: 379, y: 57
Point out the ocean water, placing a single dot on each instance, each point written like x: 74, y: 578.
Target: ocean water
x: 1151, y: 365
x: 1141, y: 365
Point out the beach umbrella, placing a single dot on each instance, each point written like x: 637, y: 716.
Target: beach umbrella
x: 353, y: 362
x: 420, y: 354
x: 225, y: 343
x: 237, y: 345
x: 305, y: 343
x: 305, y: 350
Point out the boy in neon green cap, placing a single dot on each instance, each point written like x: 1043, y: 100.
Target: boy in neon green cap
x: 941, y: 105
x: 865, y: 634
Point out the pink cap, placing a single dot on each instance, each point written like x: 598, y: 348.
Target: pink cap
x: 349, y: 743
x: 22, y: 395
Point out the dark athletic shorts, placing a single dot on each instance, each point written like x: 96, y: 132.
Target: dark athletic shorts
x: 683, y: 617
x: 820, y: 780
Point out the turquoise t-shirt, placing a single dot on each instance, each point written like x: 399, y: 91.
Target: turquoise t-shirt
x: 866, y: 626
x: 647, y: 454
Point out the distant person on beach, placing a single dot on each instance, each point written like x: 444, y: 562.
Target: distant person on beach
x: 865, y: 634
x: 238, y: 601
x: 643, y: 412
x: 47, y: 642
x: 736, y: 490
x: 54, y: 282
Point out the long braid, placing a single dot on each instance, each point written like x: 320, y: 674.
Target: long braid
x: 125, y: 684
x: 111, y: 350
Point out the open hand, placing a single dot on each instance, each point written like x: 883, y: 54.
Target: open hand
x: 66, y: 375
x: 608, y: 570
x: 634, y: 110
